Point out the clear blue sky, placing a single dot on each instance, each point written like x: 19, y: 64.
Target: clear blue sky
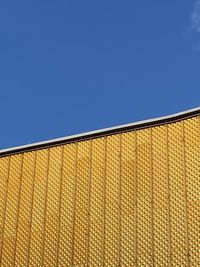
x: 72, y: 66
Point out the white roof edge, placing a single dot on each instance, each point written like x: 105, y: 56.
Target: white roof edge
x: 96, y: 132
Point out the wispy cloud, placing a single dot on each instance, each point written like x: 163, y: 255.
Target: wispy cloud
x: 195, y: 17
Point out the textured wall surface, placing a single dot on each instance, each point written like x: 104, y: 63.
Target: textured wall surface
x: 129, y: 199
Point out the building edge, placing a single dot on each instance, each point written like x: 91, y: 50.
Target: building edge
x: 102, y: 132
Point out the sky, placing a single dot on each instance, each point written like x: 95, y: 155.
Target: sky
x: 68, y: 67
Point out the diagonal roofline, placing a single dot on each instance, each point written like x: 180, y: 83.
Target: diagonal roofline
x: 102, y: 132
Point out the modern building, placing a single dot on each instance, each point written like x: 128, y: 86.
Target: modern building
x: 122, y: 196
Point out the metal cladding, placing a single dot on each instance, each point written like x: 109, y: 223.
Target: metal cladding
x: 128, y: 198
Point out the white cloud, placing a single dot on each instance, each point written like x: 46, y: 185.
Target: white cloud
x: 195, y: 17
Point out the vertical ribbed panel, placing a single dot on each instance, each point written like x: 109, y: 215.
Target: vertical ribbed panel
x: 52, y: 208
x: 38, y: 208
x: 67, y: 205
x: 25, y: 208
x: 128, y: 199
x: 112, y: 212
x: 4, y: 174
x: 9, y: 233
x: 177, y: 195
x: 82, y: 196
x: 192, y: 165
x: 144, y: 199
x: 97, y: 203
x: 160, y: 195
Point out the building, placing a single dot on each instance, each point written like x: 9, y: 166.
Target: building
x: 123, y: 196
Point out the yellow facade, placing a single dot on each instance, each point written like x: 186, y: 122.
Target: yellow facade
x: 126, y: 199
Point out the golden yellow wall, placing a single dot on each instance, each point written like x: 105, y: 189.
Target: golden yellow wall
x: 130, y: 199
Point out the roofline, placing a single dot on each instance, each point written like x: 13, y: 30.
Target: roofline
x: 102, y: 132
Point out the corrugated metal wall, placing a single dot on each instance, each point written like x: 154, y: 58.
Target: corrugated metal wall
x: 130, y: 199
